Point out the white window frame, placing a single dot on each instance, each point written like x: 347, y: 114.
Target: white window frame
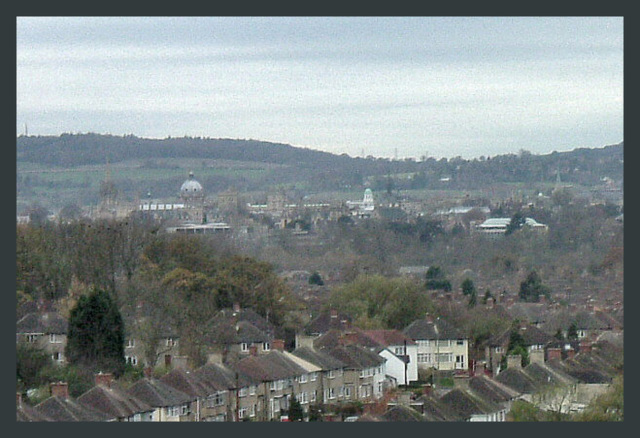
x: 266, y: 346
x: 303, y: 378
x: 244, y: 347
x: 54, y: 339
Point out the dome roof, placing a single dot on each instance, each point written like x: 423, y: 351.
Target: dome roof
x: 191, y: 186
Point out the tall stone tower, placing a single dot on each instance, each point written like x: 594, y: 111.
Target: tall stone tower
x: 192, y: 195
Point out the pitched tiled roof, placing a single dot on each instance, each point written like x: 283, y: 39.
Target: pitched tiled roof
x: 544, y: 375
x: 269, y: 367
x: 530, y: 334
x: 434, y: 410
x: 355, y: 356
x: 516, y: 379
x: 402, y: 413
x: 353, y: 336
x: 158, y: 394
x: 188, y: 382
x: 389, y: 337
x: 466, y: 405
x: 113, y: 401
x: 222, y: 378
x: 27, y: 413
x: 47, y: 322
x: 319, y: 358
x: 325, y: 322
x: 422, y: 329
x: 61, y: 409
x: 492, y: 390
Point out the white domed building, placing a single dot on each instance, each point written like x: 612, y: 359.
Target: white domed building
x: 192, y: 195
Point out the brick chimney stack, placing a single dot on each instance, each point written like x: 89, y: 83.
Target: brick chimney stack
x: 554, y: 353
x: 514, y: 361
x: 278, y: 344
x: 236, y: 307
x: 103, y: 379
x: 537, y: 356
x: 60, y: 389
x: 585, y: 347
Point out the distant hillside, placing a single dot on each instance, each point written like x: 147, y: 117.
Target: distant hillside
x: 308, y: 169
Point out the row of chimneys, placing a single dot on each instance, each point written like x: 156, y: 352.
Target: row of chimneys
x: 537, y: 356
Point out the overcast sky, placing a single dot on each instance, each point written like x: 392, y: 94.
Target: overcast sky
x: 405, y: 87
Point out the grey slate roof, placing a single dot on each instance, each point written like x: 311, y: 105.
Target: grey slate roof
x: 516, y: 379
x: 188, y: 382
x: 422, y: 329
x: 434, y: 410
x: 355, y: 356
x: 466, y: 405
x: 47, y: 322
x: 325, y: 322
x: 530, y: 334
x: 402, y: 413
x: 318, y: 358
x: 60, y: 409
x: 269, y: 367
x: 158, y: 394
x: 492, y: 390
x: 26, y: 413
x: 113, y: 401
x: 222, y: 378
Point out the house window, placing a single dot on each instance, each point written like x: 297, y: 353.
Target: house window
x: 171, y: 342
x: 243, y: 392
x: 399, y: 351
x: 499, y: 349
x: 347, y: 391
x: 216, y: 399
x: 314, y: 376
x: 132, y: 360
x: 252, y: 390
x: 443, y: 343
x: 32, y: 338
x: 57, y: 356
x: 314, y: 395
x: 460, y: 342
x: 266, y: 346
x: 424, y: 357
x: 444, y: 357
x: 302, y: 398
x: 130, y: 343
x: 242, y: 412
x: 244, y: 347
x: 332, y: 393
x: 54, y: 339
x: 303, y: 378
x: 424, y: 343
x: 331, y: 374
x: 252, y: 412
x: 173, y: 411
x: 184, y: 410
